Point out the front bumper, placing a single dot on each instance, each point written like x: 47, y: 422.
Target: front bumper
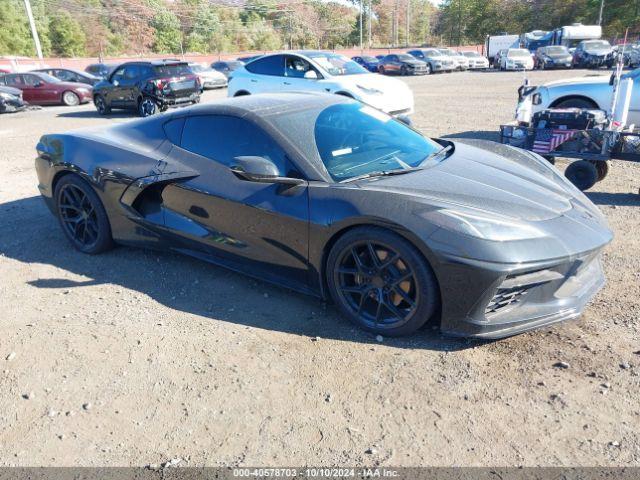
x: 175, y: 100
x: 214, y: 83
x: 532, y: 298
x: 15, y: 104
x: 518, y: 66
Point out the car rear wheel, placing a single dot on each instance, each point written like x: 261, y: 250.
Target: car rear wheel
x: 404, y: 71
x: 147, y: 107
x: 70, y: 99
x: 381, y: 70
x: 82, y: 215
x: 381, y: 282
x: 428, y: 69
x: 101, y: 105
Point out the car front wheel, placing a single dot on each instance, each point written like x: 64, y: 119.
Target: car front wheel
x: 428, y: 69
x: 101, y: 105
x: 381, y: 282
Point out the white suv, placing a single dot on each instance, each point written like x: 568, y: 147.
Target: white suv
x: 317, y: 71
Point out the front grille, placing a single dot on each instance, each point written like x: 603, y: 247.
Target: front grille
x: 504, y: 298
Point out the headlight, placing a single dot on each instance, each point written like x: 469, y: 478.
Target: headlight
x: 6, y: 96
x: 82, y: 90
x: 484, y: 226
x: 370, y: 91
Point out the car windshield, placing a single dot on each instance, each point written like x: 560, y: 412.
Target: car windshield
x: 518, y: 52
x: 198, y: 68
x: 354, y: 139
x: 336, y: 64
x: 173, y: 70
x: 556, y: 50
x: 598, y: 44
x: 433, y: 53
x: 471, y: 54
x: 406, y: 58
x: 446, y: 52
x: 369, y: 59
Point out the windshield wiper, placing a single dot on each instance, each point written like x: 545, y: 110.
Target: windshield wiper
x: 437, y: 155
x: 382, y: 173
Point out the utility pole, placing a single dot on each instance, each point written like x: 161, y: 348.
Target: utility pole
x: 34, y: 31
x: 370, y: 20
x: 408, y: 35
x: 601, y: 9
x: 361, y: 8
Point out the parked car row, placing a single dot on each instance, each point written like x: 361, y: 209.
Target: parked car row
x: 423, y: 61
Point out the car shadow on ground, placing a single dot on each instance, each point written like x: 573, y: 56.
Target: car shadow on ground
x: 31, y: 235
x: 492, y: 135
x: 617, y: 199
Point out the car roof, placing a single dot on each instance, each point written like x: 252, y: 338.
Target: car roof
x: 266, y: 104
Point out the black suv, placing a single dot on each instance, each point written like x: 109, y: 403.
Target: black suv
x: 147, y: 87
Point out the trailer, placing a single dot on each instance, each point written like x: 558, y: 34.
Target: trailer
x: 494, y: 43
x: 588, y: 150
x: 571, y: 35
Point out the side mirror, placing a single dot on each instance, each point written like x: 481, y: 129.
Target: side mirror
x: 38, y: 84
x: 310, y: 75
x: 260, y: 170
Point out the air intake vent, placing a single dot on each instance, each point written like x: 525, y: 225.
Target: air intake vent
x: 504, y: 298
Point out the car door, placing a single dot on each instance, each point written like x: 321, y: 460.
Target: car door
x: 39, y: 91
x: 129, y: 85
x: 15, y: 80
x: 116, y: 93
x: 258, y: 228
x: 267, y: 74
x: 296, y: 70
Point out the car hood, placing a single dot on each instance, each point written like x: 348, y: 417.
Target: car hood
x: 11, y: 91
x: 588, y: 80
x: 371, y: 80
x: 598, y: 52
x: 495, y: 179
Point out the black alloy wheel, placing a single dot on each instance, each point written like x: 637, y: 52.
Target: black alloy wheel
x: 381, y: 282
x: 101, y: 105
x: 147, y: 107
x: 82, y: 215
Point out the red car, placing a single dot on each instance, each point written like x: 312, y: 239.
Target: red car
x: 42, y: 89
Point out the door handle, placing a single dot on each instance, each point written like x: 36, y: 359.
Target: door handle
x: 253, y: 80
x: 287, y: 83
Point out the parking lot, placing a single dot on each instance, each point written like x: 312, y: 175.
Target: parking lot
x: 137, y: 358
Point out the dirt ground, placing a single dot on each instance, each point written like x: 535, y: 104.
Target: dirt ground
x: 137, y: 357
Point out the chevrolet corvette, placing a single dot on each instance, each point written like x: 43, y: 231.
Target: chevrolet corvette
x: 325, y: 195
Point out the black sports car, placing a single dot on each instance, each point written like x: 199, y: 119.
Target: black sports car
x: 331, y: 197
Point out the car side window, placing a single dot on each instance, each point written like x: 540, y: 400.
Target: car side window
x: 146, y: 71
x: 272, y: 65
x: 30, y: 80
x: 131, y: 72
x: 118, y: 74
x: 64, y: 75
x: 296, y: 67
x: 13, y: 80
x: 221, y: 138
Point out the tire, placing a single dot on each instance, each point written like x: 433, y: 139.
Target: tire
x: 428, y: 70
x: 550, y: 159
x: 82, y: 216
x: 576, y: 103
x: 101, y: 105
x: 404, y: 71
x: 602, y: 167
x: 381, y: 70
x: 394, y: 294
x: 70, y: 99
x: 582, y: 174
x: 147, y: 107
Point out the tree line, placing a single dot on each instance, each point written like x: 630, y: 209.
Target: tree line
x: 469, y: 21
x: 70, y: 28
